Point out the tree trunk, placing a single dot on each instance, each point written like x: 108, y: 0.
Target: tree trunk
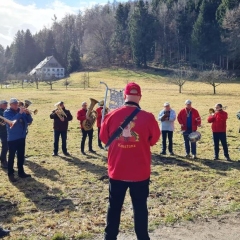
x: 180, y: 88
x: 214, y: 89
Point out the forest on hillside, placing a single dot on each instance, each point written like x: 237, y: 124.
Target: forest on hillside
x: 160, y: 33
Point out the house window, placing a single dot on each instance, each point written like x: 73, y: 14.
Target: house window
x: 58, y: 69
x: 53, y: 69
x: 61, y: 69
x: 48, y: 69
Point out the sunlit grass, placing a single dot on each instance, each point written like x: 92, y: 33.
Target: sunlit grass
x: 65, y: 198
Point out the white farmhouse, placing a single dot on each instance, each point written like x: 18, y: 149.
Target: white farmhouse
x: 49, y: 68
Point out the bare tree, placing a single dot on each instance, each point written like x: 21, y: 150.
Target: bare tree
x: 50, y: 82
x: 66, y: 83
x: 214, y: 77
x: 180, y: 77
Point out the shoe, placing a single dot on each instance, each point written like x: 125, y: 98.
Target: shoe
x: 4, y: 232
x: 101, y: 147
x: 24, y: 175
x: 172, y: 154
x: 12, y: 178
x: 54, y: 154
x: 215, y: 158
x: 228, y: 159
x: 187, y: 156
x: 194, y: 157
x: 83, y: 153
x: 66, y: 153
x: 4, y: 165
x: 92, y: 151
x: 162, y: 153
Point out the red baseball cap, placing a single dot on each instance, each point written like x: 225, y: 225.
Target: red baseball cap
x: 133, y: 89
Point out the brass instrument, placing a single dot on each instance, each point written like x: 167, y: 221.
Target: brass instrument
x: 59, y: 111
x: 25, y: 105
x: 3, y: 122
x: 211, y: 111
x: 106, y: 111
x: 91, y: 114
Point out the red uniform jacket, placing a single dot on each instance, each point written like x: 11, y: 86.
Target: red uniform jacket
x: 81, y: 116
x: 99, y: 116
x: 219, y: 121
x: 129, y: 156
x: 182, y: 119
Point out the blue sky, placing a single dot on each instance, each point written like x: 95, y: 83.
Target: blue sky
x: 35, y: 14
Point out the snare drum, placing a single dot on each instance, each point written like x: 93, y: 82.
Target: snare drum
x: 194, y: 136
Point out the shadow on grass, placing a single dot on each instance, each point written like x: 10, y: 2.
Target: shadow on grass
x: 41, y: 172
x: 44, y: 198
x: 221, y: 165
x: 88, y: 166
x: 8, y: 210
x: 164, y: 160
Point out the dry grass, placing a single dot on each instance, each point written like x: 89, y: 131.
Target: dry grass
x: 65, y: 198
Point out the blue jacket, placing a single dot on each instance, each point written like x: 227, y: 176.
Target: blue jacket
x: 19, y: 130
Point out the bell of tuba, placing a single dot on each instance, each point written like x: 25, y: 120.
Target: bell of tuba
x: 92, y: 114
x: 59, y: 111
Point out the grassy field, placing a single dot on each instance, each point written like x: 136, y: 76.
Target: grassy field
x: 68, y: 196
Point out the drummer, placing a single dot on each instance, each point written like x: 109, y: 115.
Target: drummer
x: 190, y: 120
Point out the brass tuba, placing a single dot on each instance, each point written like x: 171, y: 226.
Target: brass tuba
x: 92, y: 114
x: 59, y: 111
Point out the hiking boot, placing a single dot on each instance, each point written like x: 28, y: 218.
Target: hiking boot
x: 172, y: 154
x: 4, y: 232
x: 92, y: 151
x: 215, y: 158
x: 12, y: 178
x: 228, y: 159
x: 83, y: 153
x: 163, y: 153
x: 24, y: 175
x: 66, y: 153
x: 54, y: 154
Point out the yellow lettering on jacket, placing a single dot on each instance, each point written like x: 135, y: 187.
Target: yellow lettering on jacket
x: 126, y: 145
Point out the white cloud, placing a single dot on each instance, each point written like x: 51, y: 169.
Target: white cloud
x: 16, y: 17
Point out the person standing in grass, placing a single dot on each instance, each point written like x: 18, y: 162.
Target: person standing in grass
x: 167, y: 117
x: 99, y: 120
x: 129, y: 161
x: 60, y: 126
x: 16, y: 136
x: 3, y: 136
x: 190, y: 120
x: 219, y: 127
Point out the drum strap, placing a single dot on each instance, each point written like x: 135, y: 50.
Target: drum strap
x: 123, y: 125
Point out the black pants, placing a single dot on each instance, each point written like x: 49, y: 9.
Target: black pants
x: 4, y: 148
x: 139, y: 192
x: 63, y: 135
x: 220, y: 136
x: 16, y: 146
x: 99, y: 141
x: 88, y: 133
x: 165, y: 135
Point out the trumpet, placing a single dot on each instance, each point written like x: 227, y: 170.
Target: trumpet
x: 59, y: 111
x: 25, y: 105
x: 3, y: 122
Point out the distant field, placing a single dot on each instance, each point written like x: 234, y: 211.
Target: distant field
x: 65, y: 195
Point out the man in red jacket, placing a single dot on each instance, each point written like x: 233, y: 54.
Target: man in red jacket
x: 189, y: 120
x: 81, y: 116
x: 129, y: 161
x: 99, y: 119
x: 219, y: 127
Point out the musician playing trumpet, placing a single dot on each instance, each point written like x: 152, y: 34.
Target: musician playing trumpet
x: 16, y: 136
x: 61, y: 116
x: 219, y: 126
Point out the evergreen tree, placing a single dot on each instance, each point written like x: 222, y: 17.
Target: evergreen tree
x: 73, y: 60
x: 121, y: 38
x: 18, y: 55
x: 206, y: 36
x: 142, y: 34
